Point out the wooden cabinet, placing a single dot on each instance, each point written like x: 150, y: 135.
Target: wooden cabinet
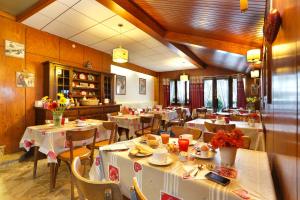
x: 73, y: 113
x: 107, y: 87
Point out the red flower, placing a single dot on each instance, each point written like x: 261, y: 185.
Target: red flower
x: 54, y: 105
x: 228, y: 139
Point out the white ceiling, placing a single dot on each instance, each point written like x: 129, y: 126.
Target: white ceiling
x: 90, y: 23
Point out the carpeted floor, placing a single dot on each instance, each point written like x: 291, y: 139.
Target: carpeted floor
x: 16, y: 182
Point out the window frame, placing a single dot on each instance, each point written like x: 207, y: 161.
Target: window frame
x: 186, y: 97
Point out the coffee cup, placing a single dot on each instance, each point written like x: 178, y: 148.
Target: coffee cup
x: 187, y: 137
x: 160, y: 155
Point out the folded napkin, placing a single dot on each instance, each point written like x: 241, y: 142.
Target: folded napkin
x: 114, y: 147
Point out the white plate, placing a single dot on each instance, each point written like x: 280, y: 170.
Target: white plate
x: 155, y: 162
x: 142, y: 155
x: 193, y: 143
x: 81, y: 125
x: 210, y: 155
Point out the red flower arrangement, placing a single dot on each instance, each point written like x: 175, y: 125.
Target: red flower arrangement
x: 228, y: 139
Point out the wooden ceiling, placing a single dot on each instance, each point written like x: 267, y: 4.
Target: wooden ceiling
x: 218, y: 19
x: 194, y: 24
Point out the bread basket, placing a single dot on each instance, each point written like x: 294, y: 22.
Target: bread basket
x: 89, y: 102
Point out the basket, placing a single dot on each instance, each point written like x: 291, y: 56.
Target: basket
x: 89, y: 102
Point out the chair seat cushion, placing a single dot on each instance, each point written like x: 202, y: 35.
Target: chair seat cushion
x: 101, y: 143
x: 82, y: 152
x: 146, y: 131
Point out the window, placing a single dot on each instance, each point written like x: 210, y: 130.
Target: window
x: 208, y: 93
x: 179, y: 92
x: 234, y: 91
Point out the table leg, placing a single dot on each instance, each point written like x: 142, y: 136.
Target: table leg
x: 35, y: 155
x: 52, y: 174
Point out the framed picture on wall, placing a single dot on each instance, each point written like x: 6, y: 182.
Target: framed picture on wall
x: 24, y: 79
x: 120, y: 85
x: 142, y: 86
x: 14, y: 49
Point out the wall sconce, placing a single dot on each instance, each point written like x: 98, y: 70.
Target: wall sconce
x: 184, y: 77
x: 243, y: 5
x: 253, y: 56
x: 254, y: 73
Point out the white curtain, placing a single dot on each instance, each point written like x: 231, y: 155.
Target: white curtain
x: 208, y: 93
x: 172, y: 91
x: 180, y: 92
x: 222, y: 92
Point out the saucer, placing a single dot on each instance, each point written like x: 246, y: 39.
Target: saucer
x: 210, y: 155
x: 158, y: 163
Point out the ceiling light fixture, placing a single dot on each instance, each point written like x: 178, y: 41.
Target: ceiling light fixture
x: 243, y: 5
x: 254, y: 73
x: 253, y: 56
x: 184, y: 77
x: 120, y: 55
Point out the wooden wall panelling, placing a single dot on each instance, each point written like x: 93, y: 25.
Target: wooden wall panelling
x: 34, y: 65
x: 92, y: 56
x: 106, y: 62
x: 12, y: 102
x: 11, y: 31
x: 42, y: 43
x: 136, y: 68
x: 70, y: 54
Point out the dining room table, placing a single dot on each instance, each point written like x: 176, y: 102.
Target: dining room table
x: 251, y: 178
x: 51, y: 140
x: 254, y: 131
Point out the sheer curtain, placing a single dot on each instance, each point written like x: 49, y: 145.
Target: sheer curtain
x: 180, y: 91
x: 208, y: 93
x: 172, y: 91
x: 222, y: 92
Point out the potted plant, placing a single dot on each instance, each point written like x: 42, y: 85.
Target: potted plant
x: 57, y: 107
x: 228, y: 143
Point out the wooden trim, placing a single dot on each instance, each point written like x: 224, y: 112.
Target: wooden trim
x: 186, y: 39
x: 135, y: 15
x: 7, y: 15
x: 34, y: 9
x: 136, y: 68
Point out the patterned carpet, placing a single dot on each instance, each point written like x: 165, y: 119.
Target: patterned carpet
x: 16, y: 182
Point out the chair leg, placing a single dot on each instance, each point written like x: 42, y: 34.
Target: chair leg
x: 127, y: 133
x: 56, y: 171
x: 36, y: 152
x: 120, y: 130
x: 52, y: 172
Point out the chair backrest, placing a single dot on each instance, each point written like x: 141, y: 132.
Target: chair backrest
x: 179, y: 130
x: 211, y: 127
x: 207, y: 136
x: 112, y: 126
x: 156, y: 123
x: 184, y: 115
x: 247, y: 142
x: 80, y: 135
x: 145, y: 120
x: 94, y: 190
x: 138, y: 192
x: 179, y: 112
x: 201, y: 113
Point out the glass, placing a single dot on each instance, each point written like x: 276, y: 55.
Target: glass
x: 183, y: 144
x: 165, y: 138
x: 57, y: 119
x: 208, y: 93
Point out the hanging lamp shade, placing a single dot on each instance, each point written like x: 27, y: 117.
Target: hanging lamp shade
x: 253, y: 55
x: 120, y: 55
x: 184, y: 77
x: 243, y: 5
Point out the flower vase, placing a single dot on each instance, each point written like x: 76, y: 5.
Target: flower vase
x: 228, y: 155
x: 57, y: 119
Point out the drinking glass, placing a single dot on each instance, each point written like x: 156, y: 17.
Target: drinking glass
x: 183, y: 144
x: 165, y: 138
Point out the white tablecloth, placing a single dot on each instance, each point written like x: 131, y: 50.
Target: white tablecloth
x: 52, y: 140
x: 253, y: 175
x: 166, y: 115
x: 255, y: 133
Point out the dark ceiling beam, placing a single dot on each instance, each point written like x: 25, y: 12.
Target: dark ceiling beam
x: 34, y: 9
x: 135, y: 15
x: 186, y: 39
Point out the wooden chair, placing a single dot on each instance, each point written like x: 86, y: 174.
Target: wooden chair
x: 207, y: 136
x: 144, y: 120
x: 155, y: 128
x: 112, y: 126
x: 136, y: 193
x: 120, y: 129
x: 93, y: 190
x: 178, y: 121
x: 201, y: 113
x: 83, y: 152
x: 179, y: 130
x: 211, y: 127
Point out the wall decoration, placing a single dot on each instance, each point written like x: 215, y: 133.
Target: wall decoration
x: 25, y: 79
x: 14, y: 49
x: 142, y: 86
x: 272, y: 25
x: 254, y: 89
x: 120, y: 85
